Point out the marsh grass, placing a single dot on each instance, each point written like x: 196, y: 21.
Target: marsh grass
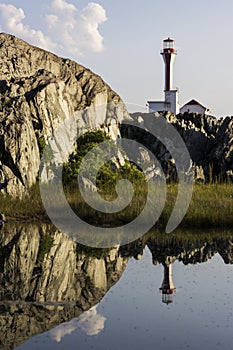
x: 27, y: 208
x: 211, y: 206
x: 90, y: 215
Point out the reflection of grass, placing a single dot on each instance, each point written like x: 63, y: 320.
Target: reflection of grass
x: 188, y: 236
x: 211, y: 206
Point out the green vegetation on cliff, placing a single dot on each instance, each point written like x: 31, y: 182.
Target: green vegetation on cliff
x: 108, y: 174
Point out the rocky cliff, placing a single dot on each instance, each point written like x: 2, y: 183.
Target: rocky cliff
x: 209, y: 141
x: 39, y: 92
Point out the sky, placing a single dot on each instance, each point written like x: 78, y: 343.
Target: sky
x: 120, y: 40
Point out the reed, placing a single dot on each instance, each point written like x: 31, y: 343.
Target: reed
x: 29, y: 207
x: 211, y: 206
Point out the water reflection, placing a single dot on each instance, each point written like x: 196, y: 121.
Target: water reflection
x: 167, y: 287
x: 90, y: 322
x: 56, y: 284
x: 45, y: 282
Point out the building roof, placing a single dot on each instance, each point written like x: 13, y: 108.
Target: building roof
x: 168, y: 39
x: 194, y: 102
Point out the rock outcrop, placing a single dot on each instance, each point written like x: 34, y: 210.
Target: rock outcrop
x: 209, y: 141
x: 40, y: 92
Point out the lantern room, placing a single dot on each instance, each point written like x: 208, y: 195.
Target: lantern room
x: 168, y: 46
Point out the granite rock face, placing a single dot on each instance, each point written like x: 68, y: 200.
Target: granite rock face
x: 209, y: 141
x: 40, y: 93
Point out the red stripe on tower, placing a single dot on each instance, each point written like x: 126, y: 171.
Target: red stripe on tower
x: 168, y: 54
x: 167, y: 60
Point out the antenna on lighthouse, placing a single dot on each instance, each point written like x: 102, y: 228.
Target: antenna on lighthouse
x: 168, y: 54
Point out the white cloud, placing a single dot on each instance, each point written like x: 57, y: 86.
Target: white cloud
x: 62, y: 5
x: 90, y: 322
x: 77, y: 30
x: 12, y: 21
x: 67, y: 30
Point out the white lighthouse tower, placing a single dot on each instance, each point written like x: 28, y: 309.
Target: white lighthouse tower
x: 171, y: 102
x: 169, y: 53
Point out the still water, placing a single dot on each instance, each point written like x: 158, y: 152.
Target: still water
x: 159, y: 293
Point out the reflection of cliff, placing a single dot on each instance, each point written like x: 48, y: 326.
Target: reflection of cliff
x: 43, y: 284
x: 166, y: 249
x: 192, y: 253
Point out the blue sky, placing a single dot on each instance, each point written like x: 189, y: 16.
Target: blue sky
x: 121, y: 40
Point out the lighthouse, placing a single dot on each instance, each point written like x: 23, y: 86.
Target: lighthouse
x: 171, y: 101
x: 169, y: 53
x: 167, y: 287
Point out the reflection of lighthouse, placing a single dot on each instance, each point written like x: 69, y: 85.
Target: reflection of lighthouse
x: 167, y: 287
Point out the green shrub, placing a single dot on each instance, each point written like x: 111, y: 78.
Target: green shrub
x: 108, y: 174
